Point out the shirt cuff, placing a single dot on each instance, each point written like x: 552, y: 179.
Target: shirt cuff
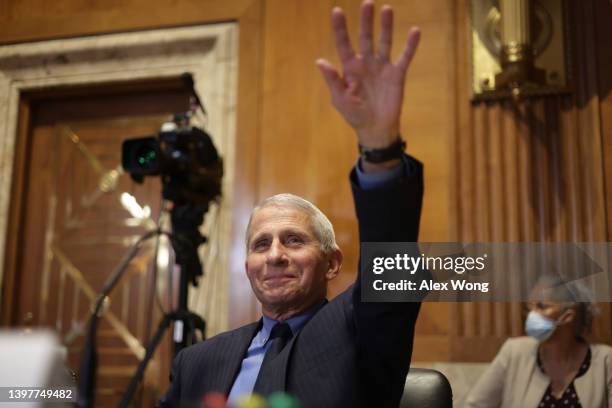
x: 370, y: 181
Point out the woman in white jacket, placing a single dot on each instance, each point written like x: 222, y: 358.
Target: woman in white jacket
x: 555, y: 366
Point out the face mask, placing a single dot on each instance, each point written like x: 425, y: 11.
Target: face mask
x: 539, y: 327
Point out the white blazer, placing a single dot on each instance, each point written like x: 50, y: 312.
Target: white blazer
x: 514, y: 379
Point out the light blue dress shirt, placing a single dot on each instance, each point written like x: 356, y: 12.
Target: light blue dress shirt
x: 245, y: 381
x: 370, y: 181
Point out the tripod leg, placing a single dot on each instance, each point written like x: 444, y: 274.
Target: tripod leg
x: 137, y: 377
x: 192, y: 322
x: 198, y: 324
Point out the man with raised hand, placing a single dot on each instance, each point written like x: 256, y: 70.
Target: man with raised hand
x: 344, y: 352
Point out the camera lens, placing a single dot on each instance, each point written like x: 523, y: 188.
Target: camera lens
x: 146, y: 158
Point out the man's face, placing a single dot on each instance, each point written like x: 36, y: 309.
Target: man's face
x: 285, y: 264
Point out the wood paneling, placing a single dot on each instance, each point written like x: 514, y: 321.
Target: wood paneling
x: 530, y: 171
x: 72, y: 233
x: 491, y: 171
x: 31, y: 20
x: 243, y: 305
x: 307, y: 149
x: 603, y: 49
x: 289, y: 136
x: 10, y: 278
x: 603, y: 46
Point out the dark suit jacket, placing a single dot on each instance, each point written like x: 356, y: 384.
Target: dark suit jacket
x: 350, y: 354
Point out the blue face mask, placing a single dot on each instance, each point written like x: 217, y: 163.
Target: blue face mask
x: 539, y: 327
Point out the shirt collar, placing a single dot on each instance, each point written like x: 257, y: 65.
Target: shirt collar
x: 295, y: 322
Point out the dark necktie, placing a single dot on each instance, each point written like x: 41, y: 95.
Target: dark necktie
x: 280, y: 335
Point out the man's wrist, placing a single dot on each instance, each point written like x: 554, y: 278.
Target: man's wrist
x: 368, y: 167
x: 392, y: 151
x: 379, y: 176
x: 377, y: 139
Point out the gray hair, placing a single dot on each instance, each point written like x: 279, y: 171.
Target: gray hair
x: 575, y: 295
x: 323, y: 228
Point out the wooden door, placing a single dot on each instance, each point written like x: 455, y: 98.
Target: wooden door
x: 76, y: 216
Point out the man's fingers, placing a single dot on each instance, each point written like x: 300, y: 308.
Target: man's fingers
x: 386, y: 32
x: 343, y: 42
x: 331, y: 76
x: 410, y: 50
x: 366, y: 32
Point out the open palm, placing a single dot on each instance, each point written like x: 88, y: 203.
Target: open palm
x: 369, y: 92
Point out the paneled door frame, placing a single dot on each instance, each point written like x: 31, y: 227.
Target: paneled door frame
x: 20, y: 72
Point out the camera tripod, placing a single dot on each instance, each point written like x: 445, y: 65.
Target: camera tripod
x: 185, y: 239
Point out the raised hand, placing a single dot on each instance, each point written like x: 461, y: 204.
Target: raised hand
x: 369, y: 92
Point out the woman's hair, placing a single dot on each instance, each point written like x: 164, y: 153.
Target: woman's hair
x: 576, y: 295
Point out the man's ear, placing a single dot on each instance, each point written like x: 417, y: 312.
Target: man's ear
x: 333, y: 264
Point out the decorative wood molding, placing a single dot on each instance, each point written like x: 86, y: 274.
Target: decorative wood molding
x: 531, y: 172
x: 209, y: 52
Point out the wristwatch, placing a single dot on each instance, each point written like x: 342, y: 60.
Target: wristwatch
x: 393, y: 151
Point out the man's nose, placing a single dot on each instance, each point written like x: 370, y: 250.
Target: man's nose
x: 276, y: 254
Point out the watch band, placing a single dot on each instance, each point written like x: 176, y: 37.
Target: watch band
x: 393, y: 151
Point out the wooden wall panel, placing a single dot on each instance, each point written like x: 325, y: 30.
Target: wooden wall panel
x: 28, y: 20
x: 308, y: 150
x: 603, y: 45
x: 483, y: 175
x: 241, y: 298
x: 37, y: 20
x: 603, y: 49
x: 289, y: 136
x: 530, y: 171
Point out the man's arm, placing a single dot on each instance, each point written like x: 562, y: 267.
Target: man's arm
x: 385, y: 331
x: 368, y: 93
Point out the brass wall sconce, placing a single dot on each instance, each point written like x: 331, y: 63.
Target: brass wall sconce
x: 518, y: 49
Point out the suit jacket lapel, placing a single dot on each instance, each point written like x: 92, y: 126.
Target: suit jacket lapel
x: 230, y: 358
x: 276, y: 377
x: 535, y: 384
x: 233, y: 353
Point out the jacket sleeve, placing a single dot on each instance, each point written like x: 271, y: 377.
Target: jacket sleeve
x: 488, y: 390
x: 385, y: 331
